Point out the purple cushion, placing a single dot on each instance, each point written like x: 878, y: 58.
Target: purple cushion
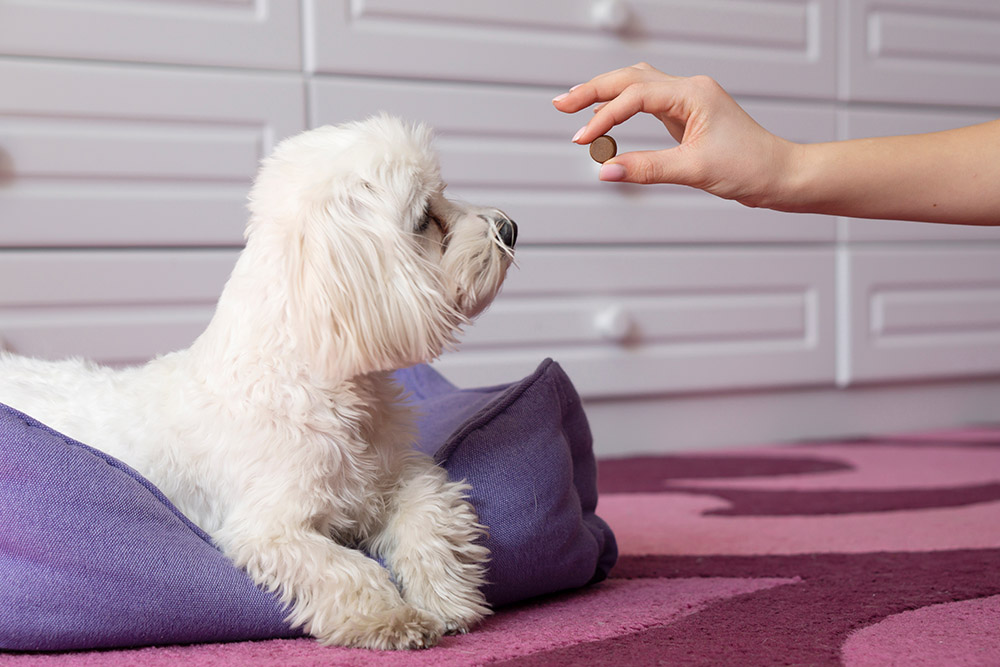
x: 92, y: 555
x: 526, y: 450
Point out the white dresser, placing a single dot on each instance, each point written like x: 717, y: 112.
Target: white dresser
x: 130, y: 130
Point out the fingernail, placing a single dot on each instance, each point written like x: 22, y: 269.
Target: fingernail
x: 560, y: 98
x: 579, y: 133
x: 575, y: 87
x: 612, y: 172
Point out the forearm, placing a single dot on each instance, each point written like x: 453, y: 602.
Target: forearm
x: 951, y: 176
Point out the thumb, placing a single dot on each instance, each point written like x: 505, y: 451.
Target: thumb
x: 666, y: 166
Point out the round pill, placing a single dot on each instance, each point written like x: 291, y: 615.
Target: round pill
x: 603, y: 148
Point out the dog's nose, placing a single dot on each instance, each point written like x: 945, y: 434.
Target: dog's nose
x: 507, y: 229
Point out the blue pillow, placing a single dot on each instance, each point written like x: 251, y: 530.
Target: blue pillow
x: 92, y: 555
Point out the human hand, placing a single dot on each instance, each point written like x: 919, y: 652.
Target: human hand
x: 721, y: 150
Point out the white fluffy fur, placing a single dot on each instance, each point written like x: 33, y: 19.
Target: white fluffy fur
x: 280, y: 431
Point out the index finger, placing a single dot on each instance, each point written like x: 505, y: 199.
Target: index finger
x: 605, y: 87
x: 664, y: 99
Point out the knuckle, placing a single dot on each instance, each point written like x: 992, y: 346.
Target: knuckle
x: 632, y: 94
x: 644, y: 172
x: 634, y: 88
x: 704, y: 84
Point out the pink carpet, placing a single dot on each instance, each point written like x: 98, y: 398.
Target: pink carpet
x: 869, y: 552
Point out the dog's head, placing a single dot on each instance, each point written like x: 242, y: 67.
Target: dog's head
x: 380, y: 268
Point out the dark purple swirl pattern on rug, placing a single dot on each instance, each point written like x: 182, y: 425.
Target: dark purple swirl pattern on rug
x: 806, y: 623
x: 894, y: 545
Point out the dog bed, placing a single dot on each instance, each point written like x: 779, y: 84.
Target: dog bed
x: 94, y: 556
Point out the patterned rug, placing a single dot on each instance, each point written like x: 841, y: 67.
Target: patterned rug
x: 869, y: 552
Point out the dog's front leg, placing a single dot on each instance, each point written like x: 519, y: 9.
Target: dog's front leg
x: 337, y: 594
x: 429, y: 541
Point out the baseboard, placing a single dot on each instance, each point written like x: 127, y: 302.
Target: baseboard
x: 702, y: 422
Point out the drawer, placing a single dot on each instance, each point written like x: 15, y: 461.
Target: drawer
x: 776, y: 47
x: 658, y: 321
x: 622, y: 322
x: 113, y: 306
x: 242, y: 33
x: 113, y: 156
x: 861, y: 123
x: 924, y: 51
x: 915, y: 314
x: 507, y: 147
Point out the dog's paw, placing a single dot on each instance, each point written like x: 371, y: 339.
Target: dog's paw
x: 458, y: 598
x: 399, y: 628
x: 405, y: 627
x: 459, y: 619
x: 460, y: 626
x: 460, y: 610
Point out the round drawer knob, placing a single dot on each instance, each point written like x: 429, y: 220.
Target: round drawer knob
x: 610, y: 15
x: 614, y: 324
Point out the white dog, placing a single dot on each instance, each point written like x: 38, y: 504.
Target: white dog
x: 280, y: 430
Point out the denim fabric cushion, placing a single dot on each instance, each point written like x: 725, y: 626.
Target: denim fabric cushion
x: 92, y: 555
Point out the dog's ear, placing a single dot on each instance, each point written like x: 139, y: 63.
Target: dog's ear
x: 363, y: 298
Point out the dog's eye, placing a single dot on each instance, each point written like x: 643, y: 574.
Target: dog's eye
x: 426, y: 223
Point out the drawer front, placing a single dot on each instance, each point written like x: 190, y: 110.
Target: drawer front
x: 923, y: 51
x: 111, y: 156
x: 655, y: 321
x: 243, y: 33
x: 622, y: 322
x: 507, y: 147
x: 113, y: 306
x: 915, y: 314
x: 766, y: 47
